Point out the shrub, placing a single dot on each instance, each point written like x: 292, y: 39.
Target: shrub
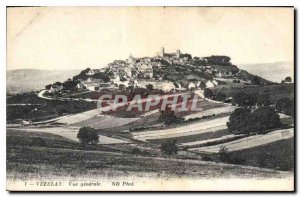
x: 88, y: 135
x: 238, y: 119
x: 263, y: 100
x: 220, y: 96
x: 244, y: 100
x: 266, y: 118
x: 208, y: 93
x: 169, y: 147
x: 169, y: 117
x: 285, y: 105
x: 135, y: 151
x: 288, y: 79
x: 224, y: 155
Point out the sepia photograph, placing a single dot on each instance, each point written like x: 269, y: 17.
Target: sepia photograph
x: 150, y: 99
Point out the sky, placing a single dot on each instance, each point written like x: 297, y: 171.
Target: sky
x: 81, y: 37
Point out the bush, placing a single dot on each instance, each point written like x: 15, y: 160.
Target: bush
x: 169, y: 147
x: 238, y: 119
x: 208, y: 93
x: 288, y: 79
x: 169, y: 117
x: 88, y: 135
x: 286, y: 106
x: 224, y: 155
x: 135, y: 151
x: 266, y: 118
x: 244, y: 100
x: 220, y: 96
x: 263, y: 100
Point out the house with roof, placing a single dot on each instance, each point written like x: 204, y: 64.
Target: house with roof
x: 56, y: 88
x: 191, y: 85
x: 165, y: 86
x: 80, y: 86
x: 93, y: 71
x: 211, y: 83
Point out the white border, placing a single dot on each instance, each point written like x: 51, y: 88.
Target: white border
x: 5, y: 3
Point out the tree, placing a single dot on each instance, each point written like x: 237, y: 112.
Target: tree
x: 168, y: 116
x: 202, y: 85
x: 286, y: 106
x: 244, y: 100
x: 238, y: 119
x: 58, y: 83
x: 70, y: 85
x: 220, y: 96
x: 188, y: 56
x: 291, y: 109
x: 208, y: 93
x: 82, y: 75
x: 288, y: 79
x: 283, y: 104
x: 224, y: 155
x: 88, y: 135
x: 266, y: 118
x: 263, y: 100
x: 102, y: 76
x: 48, y: 87
x: 149, y: 87
x: 255, y: 80
x: 242, y: 121
x: 169, y: 147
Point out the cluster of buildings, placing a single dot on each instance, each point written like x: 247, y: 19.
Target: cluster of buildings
x: 142, y: 72
x: 93, y: 85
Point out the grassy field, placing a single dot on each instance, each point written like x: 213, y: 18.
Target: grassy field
x: 36, y: 139
x: 55, y: 159
x: 192, y: 138
x: 49, y: 108
x: 275, y: 91
x: 278, y: 155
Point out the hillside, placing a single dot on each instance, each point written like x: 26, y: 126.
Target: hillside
x: 24, y: 80
x: 276, y: 71
x: 173, y: 67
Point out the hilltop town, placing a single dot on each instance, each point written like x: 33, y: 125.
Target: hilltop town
x: 166, y: 72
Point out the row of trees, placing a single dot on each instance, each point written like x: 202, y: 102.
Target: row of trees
x: 243, y: 121
x: 242, y: 99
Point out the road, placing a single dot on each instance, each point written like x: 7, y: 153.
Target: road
x: 41, y: 95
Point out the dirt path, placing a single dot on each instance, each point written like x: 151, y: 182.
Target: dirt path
x: 249, y: 142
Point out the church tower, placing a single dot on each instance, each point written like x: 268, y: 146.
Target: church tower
x: 162, y: 51
x: 178, y: 53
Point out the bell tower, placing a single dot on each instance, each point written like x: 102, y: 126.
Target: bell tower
x: 162, y: 51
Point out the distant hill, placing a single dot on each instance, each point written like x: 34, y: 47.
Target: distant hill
x: 24, y: 80
x: 275, y: 72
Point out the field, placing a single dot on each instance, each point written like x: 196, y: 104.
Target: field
x: 29, y: 160
x: 46, y: 109
x: 275, y: 91
x: 131, y: 144
x: 277, y: 155
x: 67, y: 134
x: 199, y: 127
x: 249, y: 142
